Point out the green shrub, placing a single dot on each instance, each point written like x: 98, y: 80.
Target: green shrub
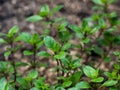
x: 96, y: 37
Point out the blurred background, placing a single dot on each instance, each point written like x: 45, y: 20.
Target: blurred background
x: 15, y: 12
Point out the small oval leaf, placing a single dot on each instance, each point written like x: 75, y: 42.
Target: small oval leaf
x: 26, y: 52
x: 34, y: 18
x: 109, y: 83
x: 99, y: 79
x: 90, y: 72
x: 66, y: 84
x: 82, y: 85
x: 43, y: 54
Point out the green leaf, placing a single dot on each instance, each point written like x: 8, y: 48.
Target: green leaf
x: 113, y: 88
x: 34, y: 88
x: 79, y: 35
x: 98, y: 50
x: 3, y: 84
x: 56, y: 9
x: 75, y: 28
x: 40, y: 84
x: 34, y: 18
x: 39, y: 81
x: 76, y: 63
x: 117, y: 40
x: 76, y: 76
x: 44, y: 11
x: 66, y: 46
x: 7, y: 53
x: 59, y: 19
x: 112, y: 15
x: 116, y: 53
x: 117, y: 66
x: 95, y: 16
x: 33, y: 74
x: 13, y: 30
x: 60, y: 55
x: 111, y: 1
x: 104, y: 1
x: 39, y: 44
x: 90, y: 72
x: 51, y: 43
x: 3, y: 66
x: 67, y: 84
x: 102, y: 23
x: 59, y: 88
x: 43, y: 54
x: 25, y: 84
x: 82, y: 85
x: 99, y: 79
x: 24, y: 37
x: 2, y: 41
x: 18, y: 64
x: 73, y: 88
x: 62, y: 26
x: 46, y: 31
x: 28, y: 53
x: 109, y: 83
x: 35, y: 39
x: 84, y: 25
x: 99, y: 2
x: 108, y: 36
x: 6, y: 67
x: 107, y: 59
x: 94, y: 30
x: 7, y: 87
x: 86, y: 40
x: 108, y: 74
x: 64, y: 35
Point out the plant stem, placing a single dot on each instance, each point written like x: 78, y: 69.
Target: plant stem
x: 34, y: 57
x: 13, y: 64
x: 58, y: 71
x: 62, y: 74
x: 57, y: 68
x: 59, y: 63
